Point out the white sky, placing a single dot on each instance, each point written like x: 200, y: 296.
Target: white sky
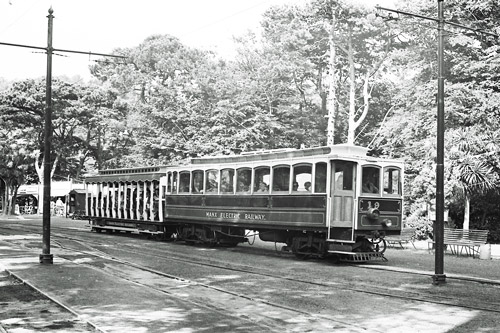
x: 103, y: 25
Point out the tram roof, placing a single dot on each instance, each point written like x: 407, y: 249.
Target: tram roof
x: 342, y: 150
x: 128, y: 174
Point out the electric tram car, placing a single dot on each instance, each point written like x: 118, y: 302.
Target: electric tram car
x: 325, y: 201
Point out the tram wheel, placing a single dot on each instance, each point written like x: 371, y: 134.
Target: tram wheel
x: 334, y: 259
x: 379, y: 245
x: 302, y: 255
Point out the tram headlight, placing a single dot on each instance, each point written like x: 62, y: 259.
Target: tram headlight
x: 373, y: 214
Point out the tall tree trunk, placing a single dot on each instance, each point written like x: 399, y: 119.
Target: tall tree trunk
x: 352, y: 91
x: 13, y: 200
x: 7, y: 201
x: 467, y: 212
x: 39, y: 170
x: 332, y: 101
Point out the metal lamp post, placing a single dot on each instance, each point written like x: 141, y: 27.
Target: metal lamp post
x: 46, y: 257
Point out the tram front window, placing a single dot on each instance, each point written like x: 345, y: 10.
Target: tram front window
x: 371, y: 180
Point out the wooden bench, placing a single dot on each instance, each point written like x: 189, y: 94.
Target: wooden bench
x: 407, y: 236
x: 460, y: 240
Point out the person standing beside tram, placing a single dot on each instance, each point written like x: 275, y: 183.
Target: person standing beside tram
x: 59, y: 207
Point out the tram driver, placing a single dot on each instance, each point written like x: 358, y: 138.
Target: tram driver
x: 370, y: 180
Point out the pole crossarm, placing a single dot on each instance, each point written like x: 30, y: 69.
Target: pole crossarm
x: 62, y: 50
x: 436, y: 20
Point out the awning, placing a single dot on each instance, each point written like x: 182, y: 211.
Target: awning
x: 22, y: 195
x: 77, y: 191
x: 124, y: 178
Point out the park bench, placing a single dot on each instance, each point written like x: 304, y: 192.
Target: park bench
x: 460, y: 240
x: 407, y: 236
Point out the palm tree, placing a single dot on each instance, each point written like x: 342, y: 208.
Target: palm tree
x: 475, y: 176
x: 470, y: 165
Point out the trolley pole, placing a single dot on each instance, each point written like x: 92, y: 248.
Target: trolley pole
x: 46, y: 257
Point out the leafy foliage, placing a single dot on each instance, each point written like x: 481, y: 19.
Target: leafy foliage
x: 167, y: 102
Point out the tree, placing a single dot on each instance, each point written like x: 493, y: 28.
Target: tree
x: 75, y: 117
x: 333, y: 45
x: 16, y: 162
x: 471, y: 101
x: 470, y: 165
x: 184, y: 102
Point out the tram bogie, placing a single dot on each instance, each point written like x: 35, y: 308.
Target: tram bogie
x: 326, y: 201
x: 211, y: 235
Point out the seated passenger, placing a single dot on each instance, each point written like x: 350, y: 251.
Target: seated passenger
x: 243, y: 188
x: 262, y: 188
x: 295, y: 186
x: 307, y: 186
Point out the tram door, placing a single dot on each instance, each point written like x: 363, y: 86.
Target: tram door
x: 342, y: 194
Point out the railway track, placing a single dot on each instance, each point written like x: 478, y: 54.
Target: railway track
x: 103, y: 250
x: 201, y: 295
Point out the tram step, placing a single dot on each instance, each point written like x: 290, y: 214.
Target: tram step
x: 358, y: 256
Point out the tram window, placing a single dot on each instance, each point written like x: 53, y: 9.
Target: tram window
x: 392, y: 181
x: 169, y: 182
x: 212, y: 181
x: 320, y: 178
x: 281, y: 179
x: 174, y: 182
x: 227, y: 181
x: 370, y: 180
x: 343, y: 176
x: 197, y: 182
x: 262, y: 180
x: 302, y: 178
x: 184, y: 181
x: 243, y: 180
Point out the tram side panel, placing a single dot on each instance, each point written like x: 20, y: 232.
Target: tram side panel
x: 276, y: 214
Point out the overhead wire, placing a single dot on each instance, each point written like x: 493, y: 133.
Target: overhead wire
x: 224, y: 18
x: 30, y: 7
